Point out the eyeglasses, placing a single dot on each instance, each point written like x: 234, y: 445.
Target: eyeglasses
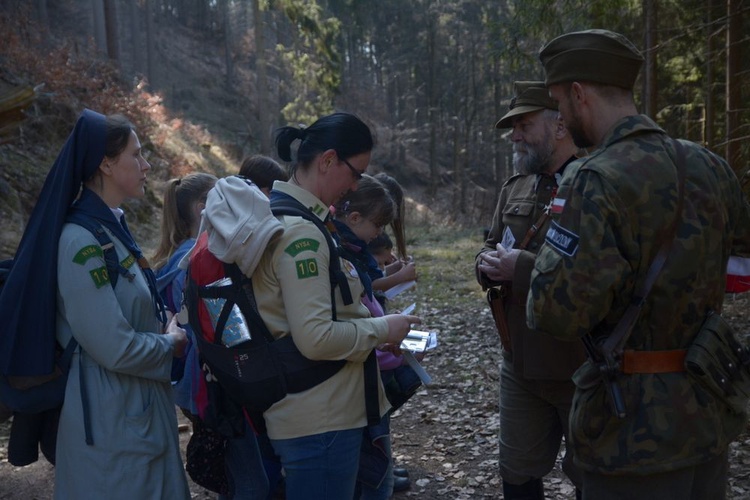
x: 357, y: 174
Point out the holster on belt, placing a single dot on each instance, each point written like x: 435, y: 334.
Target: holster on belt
x: 496, y: 298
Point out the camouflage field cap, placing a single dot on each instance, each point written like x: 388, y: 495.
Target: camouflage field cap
x: 530, y: 96
x: 598, y: 56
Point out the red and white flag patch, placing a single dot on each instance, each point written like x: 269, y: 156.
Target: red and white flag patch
x: 738, y: 275
x: 557, y: 205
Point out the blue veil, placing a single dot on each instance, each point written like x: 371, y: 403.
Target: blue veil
x: 28, y: 300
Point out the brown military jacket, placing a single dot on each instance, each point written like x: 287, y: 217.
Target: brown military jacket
x: 615, y: 205
x: 535, y: 355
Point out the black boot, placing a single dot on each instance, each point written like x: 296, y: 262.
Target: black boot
x: 401, y: 484
x: 530, y: 490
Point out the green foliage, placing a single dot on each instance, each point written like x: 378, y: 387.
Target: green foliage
x: 313, y: 60
x: 524, y: 26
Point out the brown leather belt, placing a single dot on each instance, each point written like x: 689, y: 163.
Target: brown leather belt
x: 653, y: 361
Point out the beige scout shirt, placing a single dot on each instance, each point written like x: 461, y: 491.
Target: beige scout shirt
x: 293, y: 292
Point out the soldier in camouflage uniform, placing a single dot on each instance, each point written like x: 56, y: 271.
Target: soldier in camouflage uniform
x: 613, y: 207
x: 535, y: 388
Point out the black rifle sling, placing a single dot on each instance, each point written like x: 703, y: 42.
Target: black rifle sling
x: 283, y: 204
x: 615, y: 342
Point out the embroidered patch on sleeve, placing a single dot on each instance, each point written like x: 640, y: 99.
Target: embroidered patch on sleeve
x: 86, y: 253
x: 566, y: 242
x: 306, y: 268
x: 100, y: 276
x: 128, y: 261
x: 298, y: 246
x: 557, y: 205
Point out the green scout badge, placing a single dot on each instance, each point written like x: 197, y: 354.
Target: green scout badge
x: 100, y: 276
x: 317, y: 209
x: 128, y: 261
x: 87, y: 252
x: 298, y: 246
x: 306, y: 268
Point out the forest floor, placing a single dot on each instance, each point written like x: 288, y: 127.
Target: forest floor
x: 447, y: 434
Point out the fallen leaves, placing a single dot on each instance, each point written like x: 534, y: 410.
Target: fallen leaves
x: 447, y: 434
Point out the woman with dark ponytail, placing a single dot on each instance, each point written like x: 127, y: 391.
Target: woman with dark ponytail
x: 318, y: 432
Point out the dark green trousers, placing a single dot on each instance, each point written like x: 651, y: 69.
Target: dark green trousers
x: 706, y: 481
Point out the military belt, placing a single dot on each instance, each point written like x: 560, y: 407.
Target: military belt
x: 653, y: 361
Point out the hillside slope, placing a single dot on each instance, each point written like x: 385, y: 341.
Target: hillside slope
x: 194, y: 126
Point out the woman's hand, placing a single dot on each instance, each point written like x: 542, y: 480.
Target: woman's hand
x: 398, y: 326
x: 178, y: 336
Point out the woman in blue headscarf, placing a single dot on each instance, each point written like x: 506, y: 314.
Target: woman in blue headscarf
x: 120, y: 374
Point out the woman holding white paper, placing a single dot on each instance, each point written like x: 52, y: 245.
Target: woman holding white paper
x: 318, y: 432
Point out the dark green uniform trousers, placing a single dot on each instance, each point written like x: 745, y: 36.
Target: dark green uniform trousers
x: 706, y: 481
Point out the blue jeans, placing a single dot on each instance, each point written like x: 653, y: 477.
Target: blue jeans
x: 245, y: 470
x: 384, y: 491
x: 321, y: 466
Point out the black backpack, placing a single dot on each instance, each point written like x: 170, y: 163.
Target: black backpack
x: 29, y: 395
x: 259, y: 372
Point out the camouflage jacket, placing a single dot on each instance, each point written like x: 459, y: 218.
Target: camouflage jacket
x: 534, y: 355
x: 614, y: 206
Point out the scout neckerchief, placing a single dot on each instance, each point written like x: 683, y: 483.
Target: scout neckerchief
x: 91, y: 205
x: 355, y: 251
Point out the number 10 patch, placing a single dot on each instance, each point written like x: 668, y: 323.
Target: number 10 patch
x: 306, y: 268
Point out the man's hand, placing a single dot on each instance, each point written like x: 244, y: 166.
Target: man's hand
x: 500, y: 264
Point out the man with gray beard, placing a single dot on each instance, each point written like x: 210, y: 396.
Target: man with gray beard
x: 535, y: 387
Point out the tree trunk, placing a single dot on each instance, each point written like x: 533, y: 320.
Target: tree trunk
x: 97, y: 25
x: 227, y: 44
x: 150, y: 43
x: 734, y: 89
x: 43, y: 17
x: 709, y: 114
x: 135, y: 36
x: 261, y: 78
x: 110, y: 23
x: 650, y: 91
x: 432, y: 107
